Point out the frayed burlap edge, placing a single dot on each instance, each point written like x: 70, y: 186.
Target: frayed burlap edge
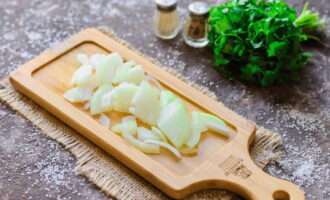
x: 106, y: 172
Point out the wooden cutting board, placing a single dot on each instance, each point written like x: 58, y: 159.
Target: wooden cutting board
x: 221, y: 162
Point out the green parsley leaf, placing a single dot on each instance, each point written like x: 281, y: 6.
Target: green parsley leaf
x: 259, y: 41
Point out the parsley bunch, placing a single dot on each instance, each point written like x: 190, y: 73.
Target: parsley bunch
x: 258, y: 40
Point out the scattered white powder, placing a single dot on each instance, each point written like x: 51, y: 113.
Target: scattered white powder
x: 9, y: 36
x: 115, y: 13
x: 177, y: 53
x: 33, y: 35
x: 305, y: 170
x: 308, y: 121
x: 34, y: 167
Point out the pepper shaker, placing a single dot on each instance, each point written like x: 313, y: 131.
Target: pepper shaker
x: 196, y: 27
x: 166, y: 19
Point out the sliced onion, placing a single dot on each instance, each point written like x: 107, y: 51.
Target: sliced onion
x: 79, y: 94
x: 128, y: 118
x: 218, y: 128
x: 127, y: 125
x: 146, y: 103
x: 215, y: 124
x: 122, y: 71
x: 166, y: 97
x: 82, y: 75
x: 159, y: 133
x: 83, y: 59
x: 154, y: 81
x: 197, y: 127
x: 145, y: 134
x: 116, y: 129
x: 188, y: 151
x: 174, y: 122
x: 134, y: 75
x: 130, y: 126
x: 132, y: 110
x: 105, y: 70
x: 122, y: 96
x: 87, y: 105
x: 95, y: 59
x: 96, y: 107
x: 104, y: 120
x: 165, y: 145
x: 152, y: 105
x: 106, y: 101
x: 141, y: 145
x: 195, y: 134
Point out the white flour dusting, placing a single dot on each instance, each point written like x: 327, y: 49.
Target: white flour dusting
x: 305, y: 170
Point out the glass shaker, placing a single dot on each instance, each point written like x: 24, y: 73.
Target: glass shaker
x: 166, y: 19
x: 196, y: 27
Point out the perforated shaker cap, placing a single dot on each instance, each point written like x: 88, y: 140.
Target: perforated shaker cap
x: 166, y: 5
x: 199, y: 9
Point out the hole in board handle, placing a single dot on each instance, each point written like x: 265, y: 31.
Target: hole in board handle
x: 281, y: 195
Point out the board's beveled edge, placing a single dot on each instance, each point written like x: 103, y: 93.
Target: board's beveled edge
x: 25, y: 72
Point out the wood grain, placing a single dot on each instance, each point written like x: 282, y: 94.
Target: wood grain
x: 221, y: 162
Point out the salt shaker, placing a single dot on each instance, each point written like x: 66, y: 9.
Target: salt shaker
x: 196, y: 27
x: 166, y: 19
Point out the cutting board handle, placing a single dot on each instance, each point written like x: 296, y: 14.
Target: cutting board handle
x: 241, y: 175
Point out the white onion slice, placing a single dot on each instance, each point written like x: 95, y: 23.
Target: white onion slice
x: 128, y: 118
x: 174, y: 122
x: 105, y: 70
x: 95, y: 59
x: 122, y: 95
x: 166, y: 97
x: 159, y: 133
x: 96, y: 107
x: 104, y: 120
x: 122, y: 71
x: 127, y: 73
x: 154, y: 81
x: 165, y: 145
x: 146, y: 103
x: 195, y: 134
x: 145, y: 134
x: 127, y: 125
x: 135, y: 75
x: 79, y: 94
x: 116, y: 129
x: 141, y: 145
x: 106, y: 101
x: 188, y: 151
x: 132, y: 110
x: 215, y: 124
x: 82, y: 75
x: 87, y: 105
x: 83, y: 59
x: 197, y: 127
x: 130, y: 126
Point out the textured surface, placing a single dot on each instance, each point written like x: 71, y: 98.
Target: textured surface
x: 34, y: 167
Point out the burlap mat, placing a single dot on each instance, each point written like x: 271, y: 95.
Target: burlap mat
x: 113, y: 178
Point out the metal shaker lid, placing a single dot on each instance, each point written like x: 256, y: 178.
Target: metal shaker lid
x: 199, y: 9
x: 166, y: 5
